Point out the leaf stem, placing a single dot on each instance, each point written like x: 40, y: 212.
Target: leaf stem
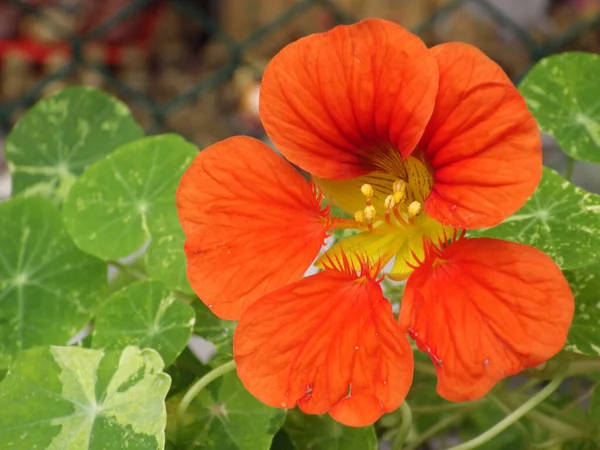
x: 569, y: 169
x: 530, y: 383
x: 507, y: 410
x: 198, y: 386
x: 513, y: 417
x: 439, y: 426
x: 445, y: 407
x: 587, y: 394
x: 549, y: 420
x: 406, y: 414
x: 583, y: 366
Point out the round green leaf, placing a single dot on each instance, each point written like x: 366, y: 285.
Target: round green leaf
x: 147, y: 315
x: 61, y: 135
x: 124, y: 199
x: 563, y: 94
x: 560, y: 219
x: 227, y: 416
x: 71, y: 398
x: 49, y: 289
x: 165, y: 260
x: 324, y: 433
x: 584, y: 334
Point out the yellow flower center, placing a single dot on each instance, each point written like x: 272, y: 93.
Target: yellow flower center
x: 388, y: 207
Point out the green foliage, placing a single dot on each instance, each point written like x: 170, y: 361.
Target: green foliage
x: 213, y: 329
x: 165, y: 259
x: 486, y: 417
x: 70, y: 398
x: 145, y: 314
x: 49, y: 289
x: 562, y: 92
x: 61, y: 136
x: 323, y: 433
x: 595, y: 408
x: 560, y: 219
x: 226, y: 416
x: 584, y: 334
x: 82, y: 151
x: 128, y: 197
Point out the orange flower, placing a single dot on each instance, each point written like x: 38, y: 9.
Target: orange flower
x: 418, y: 146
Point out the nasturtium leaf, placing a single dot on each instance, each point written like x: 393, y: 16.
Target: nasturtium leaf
x: 227, y: 416
x: 560, y: 219
x: 323, y: 433
x: 281, y: 441
x: 584, y: 334
x: 71, y: 398
x: 144, y: 314
x: 562, y: 93
x: 61, y: 135
x: 49, y: 289
x: 165, y: 260
x: 211, y: 328
x: 120, y: 201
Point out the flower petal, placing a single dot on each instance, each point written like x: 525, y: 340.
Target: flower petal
x: 339, y: 103
x: 327, y: 343
x: 485, y: 309
x: 424, y: 229
x: 482, y: 142
x: 252, y: 224
x: 385, y: 242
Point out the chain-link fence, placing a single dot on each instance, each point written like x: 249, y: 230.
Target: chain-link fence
x: 194, y: 66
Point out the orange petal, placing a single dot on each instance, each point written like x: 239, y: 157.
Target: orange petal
x: 252, y: 224
x: 342, y: 103
x: 482, y: 142
x: 486, y: 309
x: 326, y: 343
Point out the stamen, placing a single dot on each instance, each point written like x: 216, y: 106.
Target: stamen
x: 359, y: 216
x: 390, y: 203
x: 399, y: 189
x: 368, y: 191
x: 414, y: 209
x: 370, y: 213
x: 399, y: 217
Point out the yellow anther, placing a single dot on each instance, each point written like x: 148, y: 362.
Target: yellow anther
x: 413, y: 209
x: 398, y: 197
x: 390, y: 202
x: 399, y: 188
x: 367, y: 190
x: 359, y: 216
x: 370, y: 213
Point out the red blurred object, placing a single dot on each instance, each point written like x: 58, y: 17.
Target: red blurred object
x: 99, y: 13
x: 136, y: 31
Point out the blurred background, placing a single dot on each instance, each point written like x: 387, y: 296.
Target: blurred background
x: 194, y: 66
